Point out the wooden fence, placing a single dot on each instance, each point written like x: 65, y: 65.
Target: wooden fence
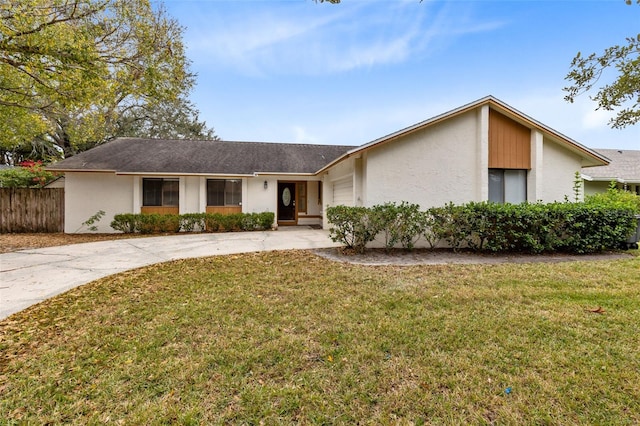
x: 31, y: 210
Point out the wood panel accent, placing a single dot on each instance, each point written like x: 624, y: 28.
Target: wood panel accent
x: 509, y: 143
x: 224, y: 209
x: 32, y: 210
x: 159, y: 210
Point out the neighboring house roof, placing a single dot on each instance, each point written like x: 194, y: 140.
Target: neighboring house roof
x: 624, y: 167
x: 592, y: 157
x: 160, y: 156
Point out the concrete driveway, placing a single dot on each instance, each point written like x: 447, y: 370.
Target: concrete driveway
x: 30, y: 276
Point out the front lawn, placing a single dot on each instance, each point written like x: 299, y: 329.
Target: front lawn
x: 289, y: 337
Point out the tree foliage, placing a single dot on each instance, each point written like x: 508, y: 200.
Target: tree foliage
x: 623, y: 94
x: 175, y: 119
x: 29, y: 174
x: 70, y: 70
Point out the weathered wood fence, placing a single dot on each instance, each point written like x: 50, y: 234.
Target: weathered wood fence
x: 31, y: 210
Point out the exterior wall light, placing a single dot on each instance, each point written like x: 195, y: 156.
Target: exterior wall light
x: 266, y: 184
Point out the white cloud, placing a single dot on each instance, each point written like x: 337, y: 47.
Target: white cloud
x: 302, y: 135
x: 326, y: 40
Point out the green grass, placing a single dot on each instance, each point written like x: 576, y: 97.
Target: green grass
x: 289, y: 337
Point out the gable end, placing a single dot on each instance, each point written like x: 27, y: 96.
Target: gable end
x: 509, y: 143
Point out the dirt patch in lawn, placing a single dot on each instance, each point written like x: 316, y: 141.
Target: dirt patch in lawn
x: 16, y: 242
x: 447, y: 256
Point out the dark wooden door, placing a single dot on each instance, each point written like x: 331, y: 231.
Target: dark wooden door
x: 286, y: 201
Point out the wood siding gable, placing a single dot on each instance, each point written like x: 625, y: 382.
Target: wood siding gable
x: 509, y: 143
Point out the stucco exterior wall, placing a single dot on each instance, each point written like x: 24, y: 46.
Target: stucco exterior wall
x: 88, y: 193
x: 190, y: 194
x: 314, y: 203
x: 559, y: 166
x: 430, y: 167
x: 257, y: 198
x: 595, y: 187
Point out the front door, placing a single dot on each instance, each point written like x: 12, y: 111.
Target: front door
x: 287, y: 202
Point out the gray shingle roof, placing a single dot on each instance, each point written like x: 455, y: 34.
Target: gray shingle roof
x: 134, y: 155
x: 625, y: 164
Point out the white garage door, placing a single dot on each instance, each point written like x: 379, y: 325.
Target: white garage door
x: 343, y: 192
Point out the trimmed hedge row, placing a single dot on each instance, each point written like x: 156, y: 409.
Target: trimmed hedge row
x: 192, y: 222
x: 533, y: 228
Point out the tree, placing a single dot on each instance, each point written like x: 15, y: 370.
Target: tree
x: 623, y: 94
x: 70, y: 69
x: 177, y: 119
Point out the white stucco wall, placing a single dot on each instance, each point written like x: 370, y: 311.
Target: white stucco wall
x: 559, y: 166
x: 595, y: 187
x: 190, y: 194
x: 88, y: 193
x: 314, y: 206
x: 430, y: 167
x: 257, y: 198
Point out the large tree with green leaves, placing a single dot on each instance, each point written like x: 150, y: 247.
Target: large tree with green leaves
x: 71, y: 71
x: 623, y: 93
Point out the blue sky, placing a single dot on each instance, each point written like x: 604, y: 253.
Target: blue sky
x: 297, y: 71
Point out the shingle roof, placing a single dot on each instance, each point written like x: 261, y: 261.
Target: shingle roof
x: 625, y: 165
x: 133, y: 155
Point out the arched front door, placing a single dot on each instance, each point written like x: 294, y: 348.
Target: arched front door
x: 287, y: 202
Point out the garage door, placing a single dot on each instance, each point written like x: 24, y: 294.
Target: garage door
x: 343, y: 192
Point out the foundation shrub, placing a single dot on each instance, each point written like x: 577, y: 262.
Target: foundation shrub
x: 451, y: 222
x: 429, y: 229
x: 158, y: 223
x: 354, y: 227
x: 590, y: 228
x: 398, y: 223
x: 264, y: 220
x: 231, y: 222
x: 598, y: 224
x: 191, y: 222
x: 212, y: 222
x: 125, y: 222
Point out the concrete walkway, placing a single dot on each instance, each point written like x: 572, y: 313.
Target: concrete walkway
x: 30, y: 276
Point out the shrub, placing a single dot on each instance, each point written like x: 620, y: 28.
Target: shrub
x: 429, y: 228
x: 191, y: 222
x: 265, y: 220
x: 125, y: 222
x: 30, y: 174
x: 450, y: 224
x: 616, y: 199
x: 601, y: 223
x: 212, y: 222
x: 352, y: 226
x: 400, y: 223
x: 257, y: 221
x: 590, y: 228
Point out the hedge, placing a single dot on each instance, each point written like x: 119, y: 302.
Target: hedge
x: 192, y: 222
x: 595, y: 225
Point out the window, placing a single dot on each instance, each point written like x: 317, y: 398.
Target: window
x: 507, y: 186
x: 160, y: 192
x: 301, y: 189
x: 224, y: 192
